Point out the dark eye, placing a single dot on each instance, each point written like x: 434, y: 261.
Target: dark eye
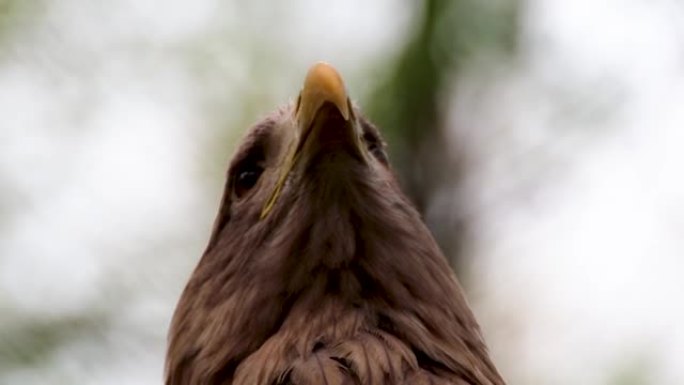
x: 375, y: 147
x: 247, y: 176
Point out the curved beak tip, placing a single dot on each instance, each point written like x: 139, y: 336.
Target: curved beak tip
x: 323, y: 84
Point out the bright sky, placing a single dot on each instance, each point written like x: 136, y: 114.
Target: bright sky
x: 578, y: 262
x: 590, y: 257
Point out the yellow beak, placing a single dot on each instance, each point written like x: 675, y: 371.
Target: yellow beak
x: 323, y: 85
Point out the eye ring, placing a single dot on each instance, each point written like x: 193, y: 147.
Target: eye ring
x: 375, y: 147
x: 246, y: 178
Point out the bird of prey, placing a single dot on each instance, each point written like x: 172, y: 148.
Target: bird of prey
x: 319, y: 271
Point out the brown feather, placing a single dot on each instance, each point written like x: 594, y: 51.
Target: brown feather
x: 341, y: 283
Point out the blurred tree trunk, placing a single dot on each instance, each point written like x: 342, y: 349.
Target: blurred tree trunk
x: 410, y: 104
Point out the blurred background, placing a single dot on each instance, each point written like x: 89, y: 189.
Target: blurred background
x: 540, y: 138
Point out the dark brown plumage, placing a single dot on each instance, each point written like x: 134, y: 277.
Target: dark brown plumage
x: 319, y: 270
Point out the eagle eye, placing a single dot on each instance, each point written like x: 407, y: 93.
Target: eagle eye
x: 375, y: 146
x: 246, y: 178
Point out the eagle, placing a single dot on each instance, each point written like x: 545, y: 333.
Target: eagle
x: 319, y: 270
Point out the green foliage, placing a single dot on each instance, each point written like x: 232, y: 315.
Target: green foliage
x: 16, y: 15
x: 635, y: 370
x: 448, y: 35
x: 32, y: 341
x: 407, y: 103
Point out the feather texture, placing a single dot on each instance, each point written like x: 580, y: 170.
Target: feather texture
x: 341, y: 283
